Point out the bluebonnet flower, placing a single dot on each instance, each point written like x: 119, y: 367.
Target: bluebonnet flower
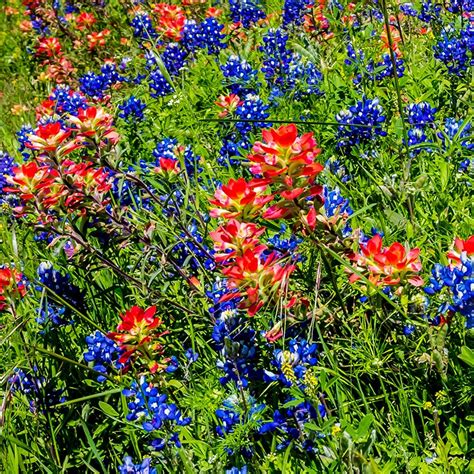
x: 93, y: 85
x: 246, y: 12
x: 338, y: 169
x: 6, y: 169
x: 291, y: 424
x: 23, y: 138
x: 229, y: 154
x: 364, y: 120
x: 68, y: 100
x: 232, y: 413
x: 420, y: 114
x: 240, y: 75
x: 215, y: 293
x: 335, y: 204
x: 417, y: 136
x: 212, y: 36
x: 277, y: 57
x: 429, y: 11
x: 408, y: 9
x: 292, y: 363
x: 235, y: 341
x: 237, y: 470
x: 174, y: 58
x: 252, y: 108
x: 152, y: 410
x: 40, y: 392
x: 384, y: 68
x: 159, y: 85
x: 458, y: 6
x: 59, y: 284
x: 206, y: 35
x: 52, y: 314
x: 282, y: 244
x: 452, y: 52
x: 293, y: 12
x: 452, y: 128
x: 408, y: 329
x: 104, y: 353
x: 143, y: 26
x: 458, y: 280
x: 132, y: 109
x: 192, y: 252
x: 191, y: 355
x: 141, y: 468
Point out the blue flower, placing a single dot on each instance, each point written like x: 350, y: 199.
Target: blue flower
x: 149, y: 407
x: 158, y: 84
x: 206, y: 35
x: 104, y: 353
x: 6, y: 169
x: 174, y: 58
x: 143, y: 27
x: 252, y: 108
x: 141, y: 468
x: 452, y: 52
x: 246, y: 12
x: 420, y: 114
x: 41, y: 392
x: 132, y: 109
x: 293, y: 12
x: 240, y: 75
x: 362, y: 123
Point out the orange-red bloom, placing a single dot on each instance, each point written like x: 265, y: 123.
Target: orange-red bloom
x: 388, y: 265
x: 137, y: 330
x: 239, y: 198
x: 11, y: 284
x: 461, y: 246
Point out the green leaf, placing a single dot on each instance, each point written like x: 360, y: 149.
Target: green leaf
x: 108, y: 409
x: 467, y: 356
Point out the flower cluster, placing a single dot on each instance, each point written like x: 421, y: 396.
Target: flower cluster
x: 456, y: 281
x: 387, y: 266
x: 151, y: 409
x: 141, y: 468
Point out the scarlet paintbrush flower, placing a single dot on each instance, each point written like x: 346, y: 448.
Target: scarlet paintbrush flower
x: 234, y: 238
x: 170, y: 20
x: 388, y: 266
x: 137, y: 330
x: 47, y: 138
x: 12, y: 284
x: 85, y: 20
x: 168, y: 166
x: 95, y: 123
x: 29, y: 179
x: 228, y: 103
x: 283, y: 154
x: 98, y: 38
x: 49, y: 47
x: 461, y: 246
x: 239, y: 198
x: 257, y: 278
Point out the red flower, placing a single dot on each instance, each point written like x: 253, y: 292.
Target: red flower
x: 11, y: 284
x: 98, y: 39
x: 283, y: 153
x: 47, y: 138
x: 170, y: 20
x: 137, y: 330
x: 256, y: 278
x: 228, y: 103
x: 235, y: 238
x: 168, y: 166
x: 49, y: 46
x: 85, y: 20
x: 389, y: 265
x: 462, y: 246
x: 30, y: 178
x: 95, y: 123
x: 239, y: 199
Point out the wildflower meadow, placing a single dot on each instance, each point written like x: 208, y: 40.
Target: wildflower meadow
x: 236, y: 236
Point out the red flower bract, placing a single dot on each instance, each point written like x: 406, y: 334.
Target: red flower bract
x: 137, y: 329
x: 239, y: 198
x: 11, y: 284
x: 388, y: 266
